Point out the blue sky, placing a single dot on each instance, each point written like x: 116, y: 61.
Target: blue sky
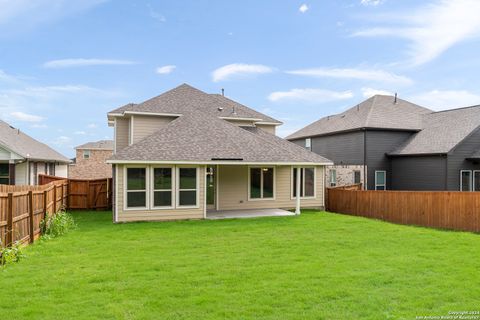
x: 66, y: 63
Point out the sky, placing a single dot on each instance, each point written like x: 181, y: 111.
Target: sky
x: 65, y: 63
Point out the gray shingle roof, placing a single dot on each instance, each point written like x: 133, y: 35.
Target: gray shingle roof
x: 379, y: 111
x: 25, y: 146
x: 197, y: 136
x: 442, y: 131
x: 101, y: 145
x: 185, y: 99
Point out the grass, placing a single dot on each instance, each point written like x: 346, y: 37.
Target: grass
x: 316, y: 266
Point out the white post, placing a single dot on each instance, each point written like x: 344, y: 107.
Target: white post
x: 297, y: 206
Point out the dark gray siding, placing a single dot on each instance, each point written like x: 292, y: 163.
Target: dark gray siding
x: 457, y: 161
x: 341, y: 148
x: 427, y: 173
x: 378, y: 143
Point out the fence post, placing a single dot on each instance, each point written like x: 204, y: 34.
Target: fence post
x: 9, y: 235
x: 45, y: 203
x: 30, y: 214
x: 68, y: 193
x: 88, y: 194
x: 54, y: 199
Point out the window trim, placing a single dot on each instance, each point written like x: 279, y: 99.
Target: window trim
x: 332, y: 184
x: 261, y: 184
x: 308, y: 144
x: 293, y: 182
x: 152, y: 189
x: 471, y: 180
x: 85, y: 152
x: 360, y: 176
x: 9, y: 173
x: 125, y: 188
x: 177, y: 188
x: 384, y: 185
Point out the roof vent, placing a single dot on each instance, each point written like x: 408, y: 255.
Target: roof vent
x: 395, y: 101
x: 220, y: 109
x: 223, y: 92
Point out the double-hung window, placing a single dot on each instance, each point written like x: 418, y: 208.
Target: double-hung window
x: 86, y: 154
x: 307, y: 182
x: 357, y: 177
x: 187, y: 182
x: 308, y: 144
x: 262, y: 183
x: 466, y: 180
x: 380, y: 180
x: 162, y: 187
x: 136, y: 191
x: 476, y: 180
x: 4, y: 173
x: 333, y: 178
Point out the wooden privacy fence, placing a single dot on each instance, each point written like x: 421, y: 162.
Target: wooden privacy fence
x: 439, y: 209
x: 85, y: 194
x: 22, y: 208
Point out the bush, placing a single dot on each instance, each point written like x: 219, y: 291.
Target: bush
x: 11, y: 254
x: 57, y: 225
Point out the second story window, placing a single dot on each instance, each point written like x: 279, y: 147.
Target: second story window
x: 356, y: 177
x: 308, y: 144
x: 86, y: 154
x: 333, y: 178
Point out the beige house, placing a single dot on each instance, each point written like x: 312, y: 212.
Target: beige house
x: 187, y: 154
x: 23, y: 158
x: 90, y: 160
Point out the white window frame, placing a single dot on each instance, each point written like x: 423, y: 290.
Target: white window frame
x: 384, y: 185
x: 471, y: 180
x: 125, y: 188
x: 360, y: 174
x: 308, y: 143
x: 294, y: 183
x: 87, y: 153
x: 330, y: 182
x: 152, y: 189
x: 261, y: 183
x: 177, y: 187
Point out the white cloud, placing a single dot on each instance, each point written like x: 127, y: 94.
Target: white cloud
x: 239, y: 69
x: 22, y: 116
x: 431, y: 29
x: 352, y: 73
x: 310, y: 95
x: 92, y: 125
x: 370, y: 92
x: 166, y: 69
x: 303, y: 8
x: 371, y: 2
x: 82, y: 62
x: 446, y: 99
x: 156, y: 15
x: 82, y: 133
x: 62, y: 140
x: 39, y: 126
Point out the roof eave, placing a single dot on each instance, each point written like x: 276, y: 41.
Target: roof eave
x: 223, y: 162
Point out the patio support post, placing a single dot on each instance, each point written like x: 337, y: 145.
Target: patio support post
x: 297, y: 202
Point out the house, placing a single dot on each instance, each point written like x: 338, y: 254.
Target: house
x: 389, y: 143
x: 90, y: 160
x: 186, y: 154
x: 23, y: 158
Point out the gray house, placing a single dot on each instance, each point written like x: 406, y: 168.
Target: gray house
x: 390, y: 143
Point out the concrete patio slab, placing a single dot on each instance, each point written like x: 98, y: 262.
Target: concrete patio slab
x: 250, y: 213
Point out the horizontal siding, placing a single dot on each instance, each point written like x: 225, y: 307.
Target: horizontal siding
x: 159, y: 214
x: 418, y: 173
x: 268, y: 128
x: 143, y: 126
x: 457, y: 159
x: 233, y: 189
x: 122, y: 133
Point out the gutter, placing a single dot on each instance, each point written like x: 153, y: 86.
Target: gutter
x: 219, y: 162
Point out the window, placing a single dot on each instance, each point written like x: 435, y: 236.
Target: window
x: 465, y: 180
x: 262, y: 183
x: 357, y: 177
x: 380, y: 180
x: 187, y: 187
x: 307, y: 182
x: 162, y: 187
x: 86, y: 154
x: 333, y: 178
x: 476, y: 180
x: 308, y: 143
x: 4, y: 173
x: 136, y: 187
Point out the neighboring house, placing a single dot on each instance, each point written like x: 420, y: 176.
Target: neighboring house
x: 398, y: 145
x: 90, y: 161
x: 23, y: 158
x: 185, y: 152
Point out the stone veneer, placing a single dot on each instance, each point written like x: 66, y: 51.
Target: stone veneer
x: 345, y: 174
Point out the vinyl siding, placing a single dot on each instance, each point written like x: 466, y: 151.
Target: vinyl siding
x: 457, y: 161
x: 143, y: 126
x: 241, y: 123
x: 425, y: 173
x: 268, y: 128
x: 122, y: 133
x: 378, y: 143
x: 233, y: 189
x: 158, y: 214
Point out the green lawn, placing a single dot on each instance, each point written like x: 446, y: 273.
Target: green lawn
x: 316, y: 266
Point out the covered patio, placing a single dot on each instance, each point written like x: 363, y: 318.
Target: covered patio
x: 247, y: 213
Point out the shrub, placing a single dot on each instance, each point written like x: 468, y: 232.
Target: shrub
x: 57, y: 225
x: 11, y: 254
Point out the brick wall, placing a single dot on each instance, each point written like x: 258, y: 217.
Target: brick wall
x: 92, y: 168
x: 345, y: 174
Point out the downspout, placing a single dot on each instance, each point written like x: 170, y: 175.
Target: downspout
x: 205, y: 192
x: 365, y: 187
x: 297, y: 204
